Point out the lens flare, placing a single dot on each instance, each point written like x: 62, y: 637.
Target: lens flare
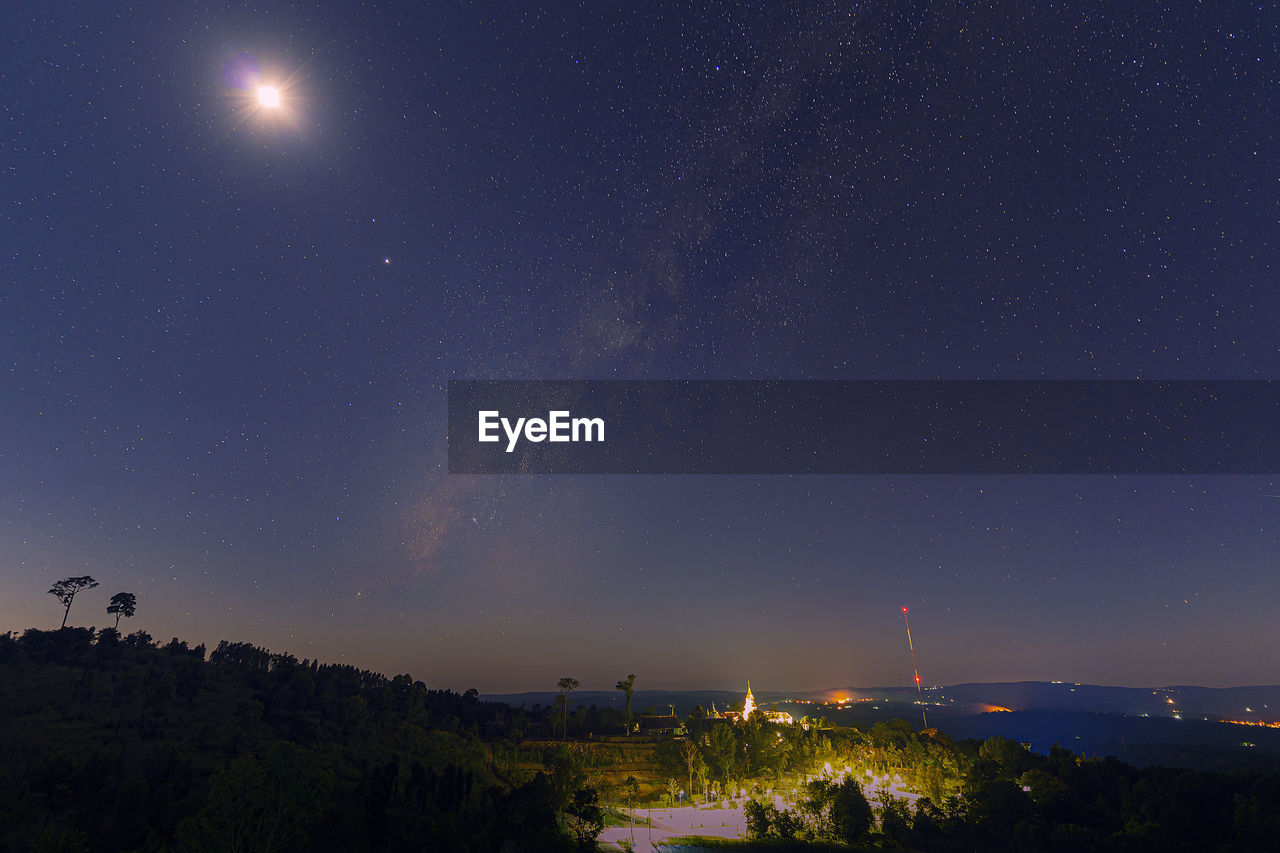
x: 262, y: 95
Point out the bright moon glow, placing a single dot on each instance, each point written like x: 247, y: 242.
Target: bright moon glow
x: 268, y: 96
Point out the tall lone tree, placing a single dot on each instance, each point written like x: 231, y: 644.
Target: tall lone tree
x: 567, y: 685
x: 122, y: 604
x: 66, y: 590
x: 628, y: 686
x: 691, y: 755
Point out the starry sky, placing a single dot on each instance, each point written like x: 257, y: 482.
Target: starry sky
x: 226, y: 329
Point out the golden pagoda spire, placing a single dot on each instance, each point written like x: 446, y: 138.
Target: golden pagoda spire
x: 749, y: 704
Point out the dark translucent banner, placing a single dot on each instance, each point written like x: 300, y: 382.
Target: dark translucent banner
x: 864, y: 427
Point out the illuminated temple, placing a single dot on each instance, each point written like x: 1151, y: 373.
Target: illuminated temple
x: 749, y: 707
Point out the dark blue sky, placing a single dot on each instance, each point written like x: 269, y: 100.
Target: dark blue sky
x: 226, y: 331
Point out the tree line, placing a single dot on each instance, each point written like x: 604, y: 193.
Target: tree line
x: 119, y: 743
x: 1007, y: 798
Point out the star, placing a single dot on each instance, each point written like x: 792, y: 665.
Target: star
x: 264, y: 97
x: 269, y: 96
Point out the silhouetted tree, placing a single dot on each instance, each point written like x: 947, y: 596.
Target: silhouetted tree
x: 122, y: 604
x: 841, y: 811
x: 65, y: 590
x: 631, y: 790
x: 567, y: 685
x: 850, y: 812
x: 757, y: 819
x: 895, y: 819
x: 584, y: 816
x: 722, y: 749
x: 627, y: 686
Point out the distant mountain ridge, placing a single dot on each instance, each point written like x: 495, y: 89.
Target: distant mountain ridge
x: 1177, y: 726
x: 1260, y: 703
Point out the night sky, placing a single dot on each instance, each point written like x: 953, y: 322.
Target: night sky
x: 226, y: 329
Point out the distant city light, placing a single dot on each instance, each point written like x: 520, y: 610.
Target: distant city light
x: 1275, y: 724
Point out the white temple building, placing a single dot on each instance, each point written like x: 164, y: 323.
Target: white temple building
x: 749, y: 707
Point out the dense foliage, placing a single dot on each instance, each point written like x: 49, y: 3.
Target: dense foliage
x: 113, y: 743
x: 755, y: 755
x: 1011, y: 799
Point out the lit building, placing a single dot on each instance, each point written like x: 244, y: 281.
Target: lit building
x: 749, y: 707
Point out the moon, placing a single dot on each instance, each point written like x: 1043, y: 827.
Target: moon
x: 268, y: 96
